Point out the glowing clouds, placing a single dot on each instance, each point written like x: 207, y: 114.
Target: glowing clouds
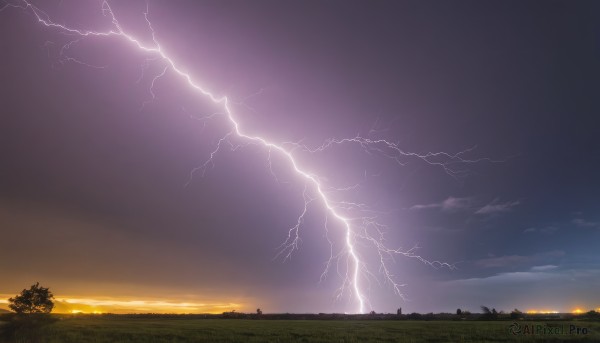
x: 99, y: 305
x: 107, y: 305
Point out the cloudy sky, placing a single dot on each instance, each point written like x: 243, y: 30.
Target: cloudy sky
x: 105, y: 196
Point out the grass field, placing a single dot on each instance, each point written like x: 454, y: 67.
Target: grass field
x: 81, y: 329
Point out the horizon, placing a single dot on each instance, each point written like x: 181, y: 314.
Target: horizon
x: 103, y: 305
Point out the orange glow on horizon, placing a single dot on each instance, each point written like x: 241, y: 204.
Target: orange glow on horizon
x: 577, y: 311
x: 84, y: 312
x: 542, y: 312
x: 99, y: 305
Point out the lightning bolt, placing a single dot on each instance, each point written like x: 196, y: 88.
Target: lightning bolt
x: 355, y: 273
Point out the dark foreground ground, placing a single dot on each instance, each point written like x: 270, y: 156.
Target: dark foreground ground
x: 81, y: 329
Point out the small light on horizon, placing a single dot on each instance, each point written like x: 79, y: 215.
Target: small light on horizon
x: 577, y: 311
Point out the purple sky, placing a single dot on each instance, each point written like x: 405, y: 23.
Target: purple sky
x: 95, y: 161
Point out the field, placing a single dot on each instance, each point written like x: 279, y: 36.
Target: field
x: 81, y: 329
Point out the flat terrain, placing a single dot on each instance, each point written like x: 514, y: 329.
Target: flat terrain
x: 81, y: 329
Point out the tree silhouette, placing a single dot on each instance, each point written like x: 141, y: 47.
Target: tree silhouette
x: 516, y: 314
x: 33, y: 300
x: 489, y: 314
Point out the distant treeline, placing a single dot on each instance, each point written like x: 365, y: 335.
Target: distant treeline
x: 592, y: 315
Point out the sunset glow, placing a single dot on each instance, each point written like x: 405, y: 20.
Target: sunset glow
x: 106, y: 305
x: 90, y: 305
x: 84, y: 312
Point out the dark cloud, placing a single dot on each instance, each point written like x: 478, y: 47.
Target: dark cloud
x: 496, y: 207
x: 451, y: 204
x: 584, y: 223
x: 544, y: 230
x: 519, y: 261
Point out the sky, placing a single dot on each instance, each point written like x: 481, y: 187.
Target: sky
x: 107, y: 198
